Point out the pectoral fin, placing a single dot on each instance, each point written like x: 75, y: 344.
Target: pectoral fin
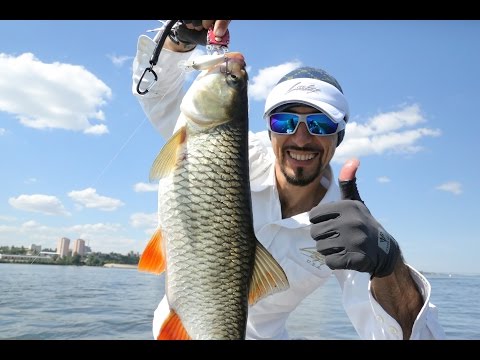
x: 172, y: 328
x: 153, y: 258
x: 268, y: 276
x: 166, y: 160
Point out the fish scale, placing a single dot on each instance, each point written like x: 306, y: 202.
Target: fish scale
x: 210, y: 242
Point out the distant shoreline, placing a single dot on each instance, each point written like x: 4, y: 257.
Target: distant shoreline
x: 120, y: 266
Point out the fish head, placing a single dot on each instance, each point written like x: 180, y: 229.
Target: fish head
x: 218, y: 95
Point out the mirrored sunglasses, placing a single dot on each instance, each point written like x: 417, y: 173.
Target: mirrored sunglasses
x: 319, y: 124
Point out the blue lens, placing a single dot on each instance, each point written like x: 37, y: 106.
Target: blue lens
x: 283, y: 123
x: 317, y: 124
x: 321, y: 124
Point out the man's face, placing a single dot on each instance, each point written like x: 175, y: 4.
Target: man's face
x: 302, y: 157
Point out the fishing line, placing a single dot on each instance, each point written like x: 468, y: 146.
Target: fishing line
x: 134, y: 132
x: 130, y: 137
x: 119, y: 151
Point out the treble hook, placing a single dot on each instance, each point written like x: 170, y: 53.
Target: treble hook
x: 226, y: 72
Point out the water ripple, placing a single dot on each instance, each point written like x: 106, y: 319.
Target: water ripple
x: 91, y: 303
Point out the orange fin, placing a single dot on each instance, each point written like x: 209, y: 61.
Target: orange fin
x: 268, y: 276
x: 153, y: 257
x: 172, y: 328
x: 166, y: 160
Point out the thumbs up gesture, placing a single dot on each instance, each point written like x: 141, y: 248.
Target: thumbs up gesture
x: 348, y: 235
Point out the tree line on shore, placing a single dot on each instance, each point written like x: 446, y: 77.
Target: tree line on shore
x: 90, y: 259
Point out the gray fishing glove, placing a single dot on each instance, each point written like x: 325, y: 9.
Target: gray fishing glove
x: 187, y: 36
x: 349, y: 236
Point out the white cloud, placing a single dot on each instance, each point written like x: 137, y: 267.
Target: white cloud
x: 100, y: 236
x: 90, y: 199
x: 29, y: 232
x: 118, y: 61
x: 261, y: 84
x: 142, y: 220
x: 2, y: 131
x: 45, y: 204
x: 30, y: 181
x: 106, y: 237
x: 385, y: 133
x: 7, y: 218
x: 387, y: 122
x: 53, y: 95
x: 98, y: 129
x: 383, y: 179
x: 145, y: 187
x: 452, y: 186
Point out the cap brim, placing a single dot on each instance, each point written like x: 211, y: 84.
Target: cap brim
x: 315, y: 93
x: 324, y: 107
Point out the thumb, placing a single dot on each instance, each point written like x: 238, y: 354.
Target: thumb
x: 221, y: 27
x: 349, y: 170
x: 348, y: 181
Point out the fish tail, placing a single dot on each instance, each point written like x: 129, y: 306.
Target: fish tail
x: 172, y: 328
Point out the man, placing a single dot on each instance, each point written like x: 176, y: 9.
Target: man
x: 308, y: 224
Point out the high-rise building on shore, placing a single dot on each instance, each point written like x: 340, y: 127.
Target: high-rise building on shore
x: 79, y: 247
x: 62, y: 246
x: 35, y: 249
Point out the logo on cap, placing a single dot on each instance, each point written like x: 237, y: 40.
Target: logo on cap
x: 310, y: 88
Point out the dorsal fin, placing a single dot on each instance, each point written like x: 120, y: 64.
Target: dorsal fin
x: 166, y: 159
x: 268, y: 276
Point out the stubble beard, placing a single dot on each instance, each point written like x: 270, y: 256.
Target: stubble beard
x: 299, y: 178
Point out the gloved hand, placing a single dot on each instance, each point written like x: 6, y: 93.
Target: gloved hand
x: 194, y: 32
x: 348, y: 235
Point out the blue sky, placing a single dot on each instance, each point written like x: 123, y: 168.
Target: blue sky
x: 76, y: 148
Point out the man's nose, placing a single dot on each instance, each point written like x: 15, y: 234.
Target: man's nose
x: 302, y: 136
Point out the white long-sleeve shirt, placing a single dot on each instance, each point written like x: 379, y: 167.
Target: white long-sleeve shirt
x: 288, y: 240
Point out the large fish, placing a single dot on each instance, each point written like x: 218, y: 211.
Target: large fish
x: 215, y: 267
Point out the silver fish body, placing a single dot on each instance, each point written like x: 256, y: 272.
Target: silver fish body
x: 205, y: 213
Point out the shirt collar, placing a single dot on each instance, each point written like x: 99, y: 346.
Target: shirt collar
x: 267, y: 180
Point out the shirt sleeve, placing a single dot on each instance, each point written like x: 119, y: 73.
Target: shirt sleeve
x: 372, y: 322
x: 260, y: 155
x: 161, y: 103
x: 159, y: 316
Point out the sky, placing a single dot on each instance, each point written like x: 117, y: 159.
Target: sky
x: 76, y: 147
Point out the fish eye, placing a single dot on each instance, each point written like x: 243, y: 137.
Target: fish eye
x: 233, y: 80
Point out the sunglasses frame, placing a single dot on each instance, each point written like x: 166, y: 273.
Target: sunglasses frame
x: 303, y: 118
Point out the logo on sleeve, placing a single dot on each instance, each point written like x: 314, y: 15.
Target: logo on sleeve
x: 384, y: 240
x: 314, y: 258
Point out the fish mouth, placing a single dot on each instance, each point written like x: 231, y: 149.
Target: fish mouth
x: 235, y: 57
x: 234, y: 65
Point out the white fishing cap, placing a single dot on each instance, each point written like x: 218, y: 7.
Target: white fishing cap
x: 312, y: 87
